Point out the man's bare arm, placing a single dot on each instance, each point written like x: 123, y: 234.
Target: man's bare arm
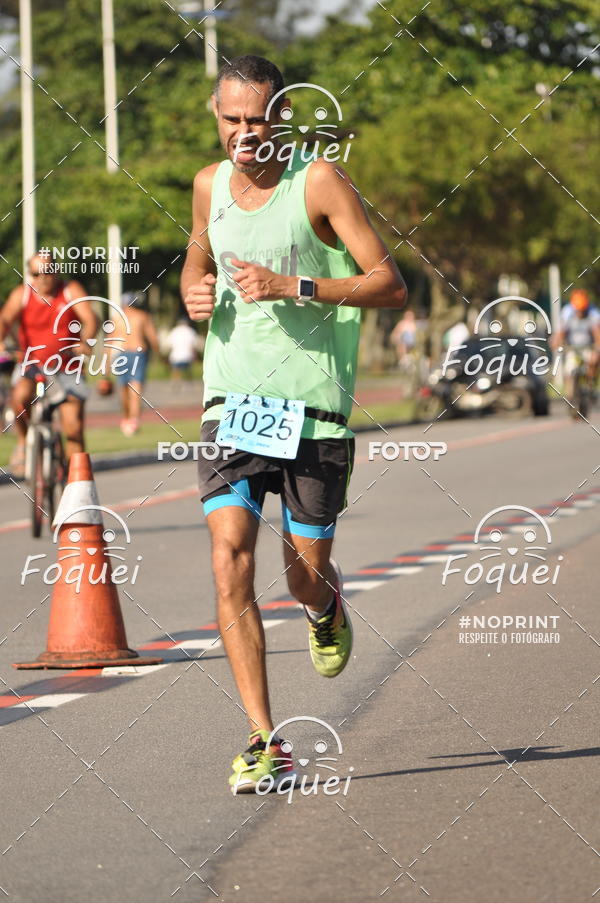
x: 332, y: 196
x: 11, y: 311
x: 151, y: 334
x: 198, y: 276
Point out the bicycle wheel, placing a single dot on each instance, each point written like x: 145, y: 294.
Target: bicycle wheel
x: 583, y: 404
x: 58, y: 475
x: 580, y: 397
x: 37, y: 484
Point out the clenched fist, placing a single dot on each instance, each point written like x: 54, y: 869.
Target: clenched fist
x: 257, y: 283
x: 200, y: 298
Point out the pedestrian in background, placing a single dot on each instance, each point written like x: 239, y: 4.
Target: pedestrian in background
x: 183, y: 344
x: 137, y: 342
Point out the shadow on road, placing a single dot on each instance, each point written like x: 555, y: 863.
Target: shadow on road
x: 506, y: 757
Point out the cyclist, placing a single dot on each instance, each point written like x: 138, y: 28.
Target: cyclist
x: 282, y: 344
x: 49, y: 335
x: 580, y: 334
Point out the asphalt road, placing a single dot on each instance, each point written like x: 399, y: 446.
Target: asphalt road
x: 468, y: 769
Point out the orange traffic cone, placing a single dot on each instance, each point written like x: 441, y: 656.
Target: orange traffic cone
x: 86, y: 627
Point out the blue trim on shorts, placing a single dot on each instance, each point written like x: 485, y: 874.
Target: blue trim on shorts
x: 237, y: 497
x: 311, y: 531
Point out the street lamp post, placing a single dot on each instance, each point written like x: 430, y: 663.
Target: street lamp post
x: 27, y: 132
x: 112, y: 139
x: 211, y: 53
x: 544, y: 92
x: 204, y: 8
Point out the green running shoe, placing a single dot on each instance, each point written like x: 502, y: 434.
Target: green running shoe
x: 331, y: 636
x: 261, y: 767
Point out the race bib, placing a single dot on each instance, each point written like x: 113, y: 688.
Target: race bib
x: 266, y: 426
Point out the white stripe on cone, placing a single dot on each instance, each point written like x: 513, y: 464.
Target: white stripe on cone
x: 76, y: 496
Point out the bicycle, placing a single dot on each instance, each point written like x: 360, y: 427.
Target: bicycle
x: 45, y: 462
x: 583, y: 392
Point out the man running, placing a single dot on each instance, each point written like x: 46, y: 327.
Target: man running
x: 289, y: 260
x: 50, y: 334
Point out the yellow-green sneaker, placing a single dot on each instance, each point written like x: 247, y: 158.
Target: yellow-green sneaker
x: 259, y: 767
x: 331, y: 636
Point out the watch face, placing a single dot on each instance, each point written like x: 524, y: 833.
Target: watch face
x: 307, y: 288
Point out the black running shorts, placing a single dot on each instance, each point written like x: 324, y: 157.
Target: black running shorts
x: 312, y: 487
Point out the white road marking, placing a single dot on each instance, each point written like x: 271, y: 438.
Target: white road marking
x: 119, y: 670
x: 360, y: 585
x: 403, y: 569
x: 51, y: 701
x: 196, y: 644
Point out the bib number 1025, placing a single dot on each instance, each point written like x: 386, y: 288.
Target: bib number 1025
x: 267, y: 426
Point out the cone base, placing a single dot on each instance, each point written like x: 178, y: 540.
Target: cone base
x: 67, y: 660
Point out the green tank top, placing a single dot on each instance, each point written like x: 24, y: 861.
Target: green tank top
x: 253, y: 348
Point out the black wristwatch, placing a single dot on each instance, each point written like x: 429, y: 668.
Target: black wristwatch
x: 306, y: 290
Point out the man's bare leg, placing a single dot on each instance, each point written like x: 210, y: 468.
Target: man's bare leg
x: 310, y: 576
x: 135, y: 390
x: 22, y: 396
x: 234, y: 531
x: 71, y: 413
x: 125, y: 402
x: 313, y: 580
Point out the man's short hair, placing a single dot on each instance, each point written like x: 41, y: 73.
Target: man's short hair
x: 251, y: 68
x: 46, y: 257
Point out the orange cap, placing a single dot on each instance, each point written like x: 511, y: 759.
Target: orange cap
x: 580, y: 299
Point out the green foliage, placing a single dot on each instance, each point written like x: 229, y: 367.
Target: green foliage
x: 430, y: 95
